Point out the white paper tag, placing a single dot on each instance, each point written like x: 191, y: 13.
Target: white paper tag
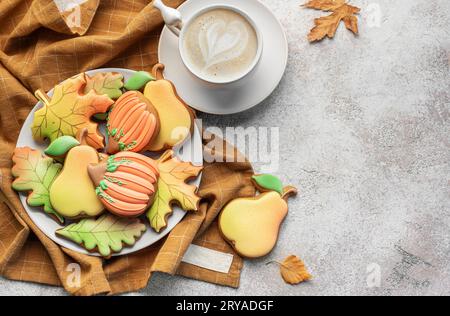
x: 208, y: 258
x: 67, y: 5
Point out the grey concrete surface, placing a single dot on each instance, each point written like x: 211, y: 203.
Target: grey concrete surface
x: 364, y: 134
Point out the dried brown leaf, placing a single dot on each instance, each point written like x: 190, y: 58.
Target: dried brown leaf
x: 327, y: 25
x: 293, y: 270
x: 324, y: 5
x: 351, y: 23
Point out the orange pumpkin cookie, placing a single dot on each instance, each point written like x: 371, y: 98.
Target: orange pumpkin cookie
x: 176, y: 117
x: 68, y: 111
x: 126, y: 183
x: 133, y: 123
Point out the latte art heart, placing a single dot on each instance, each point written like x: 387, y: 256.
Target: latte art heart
x: 220, y: 45
x: 222, y: 42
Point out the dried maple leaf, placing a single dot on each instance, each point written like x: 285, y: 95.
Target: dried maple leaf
x: 327, y: 26
x: 293, y: 270
x: 172, y: 188
x: 324, y: 5
x: 69, y: 111
x: 109, y: 83
x: 34, y: 172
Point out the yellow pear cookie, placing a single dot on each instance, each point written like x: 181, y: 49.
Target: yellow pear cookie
x: 251, y: 225
x: 176, y: 117
x: 72, y: 194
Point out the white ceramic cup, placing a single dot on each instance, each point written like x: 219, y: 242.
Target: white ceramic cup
x: 176, y: 24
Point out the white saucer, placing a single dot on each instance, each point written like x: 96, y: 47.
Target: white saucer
x: 240, y: 96
x: 191, y: 150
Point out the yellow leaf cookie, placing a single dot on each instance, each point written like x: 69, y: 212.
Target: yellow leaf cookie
x: 69, y: 111
x: 173, y: 173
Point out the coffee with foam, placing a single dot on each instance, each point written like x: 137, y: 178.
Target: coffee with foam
x: 220, y: 45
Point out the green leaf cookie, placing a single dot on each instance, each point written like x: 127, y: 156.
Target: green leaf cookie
x: 109, y: 83
x: 107, y: 234
x: 35, y: 173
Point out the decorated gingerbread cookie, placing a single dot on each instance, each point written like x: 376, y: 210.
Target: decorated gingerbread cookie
x: 68, y: 111
x: 35, y: 173
x: 72, y: 193
x: 126, y: 183
x: 177, y: 118
x: 251, y: 225
x: 109, y: 83
x: 105, y: 235
x: 173, y: 189
x: 133, y: 123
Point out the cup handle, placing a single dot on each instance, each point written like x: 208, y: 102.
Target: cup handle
x: 172, y: 17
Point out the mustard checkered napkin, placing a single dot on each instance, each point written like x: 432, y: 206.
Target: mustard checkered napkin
x: 43, y: 43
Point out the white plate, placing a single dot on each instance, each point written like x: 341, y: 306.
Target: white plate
x: 191, y: 151
x: 239, y: 96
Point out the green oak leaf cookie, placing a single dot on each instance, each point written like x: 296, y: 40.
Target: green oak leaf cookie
x: 106, y: 235
x: 35, y: 173
x: 109, y: 83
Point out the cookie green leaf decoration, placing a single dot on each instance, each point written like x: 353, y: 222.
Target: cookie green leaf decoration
x: 61, y: 146
x: 34, y: 172
x: 138, y: 80
x: 267, y: 182
x: 109, y: 83
x: 106, y: 235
